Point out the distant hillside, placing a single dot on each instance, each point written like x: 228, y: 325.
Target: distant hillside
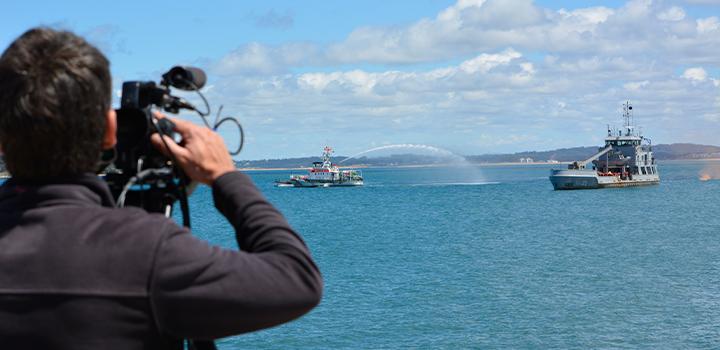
x: 560, y: 155
x: 686, y: 151
x: 278, y: 163
x: 393, y: 160
x: 662, y: 152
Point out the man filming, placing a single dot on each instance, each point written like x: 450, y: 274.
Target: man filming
x: 76, y: 272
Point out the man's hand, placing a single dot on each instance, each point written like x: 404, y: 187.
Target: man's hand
x: 202, y: 153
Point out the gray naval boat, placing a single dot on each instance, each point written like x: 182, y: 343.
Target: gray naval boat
x: 625, y: 160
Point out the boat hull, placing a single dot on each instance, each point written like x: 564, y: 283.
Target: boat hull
x: 306, y: 183
x: 589, y: 179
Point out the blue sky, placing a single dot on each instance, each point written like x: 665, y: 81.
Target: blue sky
x: 471, y: 76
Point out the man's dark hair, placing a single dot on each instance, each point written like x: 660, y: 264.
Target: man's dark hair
x: 55, y: 92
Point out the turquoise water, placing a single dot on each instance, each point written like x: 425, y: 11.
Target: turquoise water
x: 492, y: 257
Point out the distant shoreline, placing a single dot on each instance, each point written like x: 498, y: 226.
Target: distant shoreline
x: 6, y: 175
x: 407, y: 166
x: 447, y: 165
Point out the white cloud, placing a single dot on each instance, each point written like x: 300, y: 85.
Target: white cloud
x: 505, y: 79
x: 641, y: 26
x: 635, y: 86
x: 712, y: 117
x: 514, y: 94
x: 453, y: 78
x: 707, y: 25
x: 486, y: 62
x: 356, y: 80
x: 703, y: 2
x: 585, y: 20
x: 464, y: 28
x: 695, y: 74
x: 672, y: 14
x: 454, y: 11
x: 471, y: 26
x: 502, y: 14
x: 638, y: 8
x: 256, y: 58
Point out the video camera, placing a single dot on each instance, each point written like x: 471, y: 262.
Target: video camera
x: 140, y: 175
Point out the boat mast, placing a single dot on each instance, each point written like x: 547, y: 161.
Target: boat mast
x: 327, y: 151
x: 627, y: 115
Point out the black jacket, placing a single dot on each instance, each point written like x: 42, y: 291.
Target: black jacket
x: 77, y: 273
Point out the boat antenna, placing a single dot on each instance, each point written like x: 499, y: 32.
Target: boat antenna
x: 327, y: 152
x: 627, y: 115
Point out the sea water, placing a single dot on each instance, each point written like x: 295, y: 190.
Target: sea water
x: 492, y: 257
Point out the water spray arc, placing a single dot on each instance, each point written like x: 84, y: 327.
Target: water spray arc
x: 441, y: 151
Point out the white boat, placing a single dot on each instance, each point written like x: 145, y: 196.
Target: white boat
x: 324, y: 174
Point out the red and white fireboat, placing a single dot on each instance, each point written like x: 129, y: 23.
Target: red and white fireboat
x: 324, y: 174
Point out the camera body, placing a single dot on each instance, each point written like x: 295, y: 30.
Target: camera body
x: 141, y: 175
x: 135, y: 126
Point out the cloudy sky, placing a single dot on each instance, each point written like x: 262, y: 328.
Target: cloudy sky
x: 472, y: 76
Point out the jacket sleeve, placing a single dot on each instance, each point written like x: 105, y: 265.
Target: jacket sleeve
x: 200, y: 291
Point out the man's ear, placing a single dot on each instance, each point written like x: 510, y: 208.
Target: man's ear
x: 110, y: 137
